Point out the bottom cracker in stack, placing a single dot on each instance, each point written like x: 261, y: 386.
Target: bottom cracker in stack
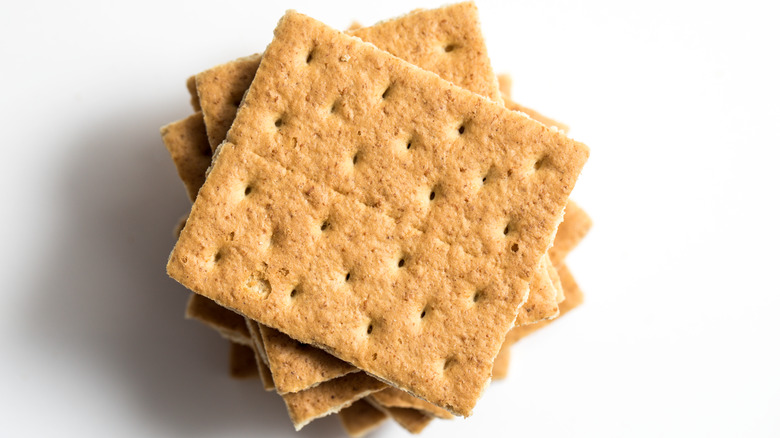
x: 322, y: 383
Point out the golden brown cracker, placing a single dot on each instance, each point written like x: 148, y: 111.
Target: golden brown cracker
x: 221, y: 89
x: 186, y: 142
x: 574, y: 298
x: 296, y: 366
x: 329, y: 397
x: 361, y: 418
x: 489, y: 168
x: 228, y: 323
x: 447, y: 41
x: 413, y: 420
x: 395, y: 398
x: 543, y: 303
x: 260, y: 357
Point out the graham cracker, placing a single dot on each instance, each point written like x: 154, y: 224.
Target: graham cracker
x: 265, y: 375
x: 242, y: 362
x: 227, y: 323
x: 296, y: 366
x: 501, y: 364
x: 368, y: 216
x: 361, y: 418
x: 220, y: 90
x: 257, y: 342
x: 412, y: 420
x: 395, y: 398
x: 317, y: 401
x: 574, y: 297
x: 576, y: 224
x: 260, y: 358
x: 189, y: 150
x: 329, y: 397
x: 419, y: 38
x: 193, y: 90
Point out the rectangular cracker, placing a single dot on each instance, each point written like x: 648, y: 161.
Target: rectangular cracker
x: 242, y: 362
x: 421, y: 38
x: 186, y: 142
x: 329, y: 397
x: 296, y: 366
x: 489, y: 167
x: 361, y: 418
x: 227, y: 323
x: 239, y: 71
x: 413, y: 420
x: 395, y: 398
x: 447, y: 41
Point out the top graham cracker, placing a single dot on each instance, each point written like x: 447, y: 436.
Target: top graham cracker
x: 360, y: 204
x: 427, y: 38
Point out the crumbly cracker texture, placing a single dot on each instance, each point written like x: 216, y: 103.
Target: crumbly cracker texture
x: 370, y: 164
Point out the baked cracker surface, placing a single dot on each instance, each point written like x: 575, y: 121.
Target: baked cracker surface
x: 296, y: 366
x: 325, y: 135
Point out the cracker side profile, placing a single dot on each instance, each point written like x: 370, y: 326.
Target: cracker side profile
x: 361, y: 418
x: 413, y: 420
x: 296, y: 366
x: 226, y: 322
x: 329, y: 397
x: 397, y: 179
x: 395, y: 398
x: 260, y: 356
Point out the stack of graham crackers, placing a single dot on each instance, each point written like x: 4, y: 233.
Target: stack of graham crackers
x: 374, y: 220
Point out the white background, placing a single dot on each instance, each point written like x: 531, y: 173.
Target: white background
x: 679, y: 102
